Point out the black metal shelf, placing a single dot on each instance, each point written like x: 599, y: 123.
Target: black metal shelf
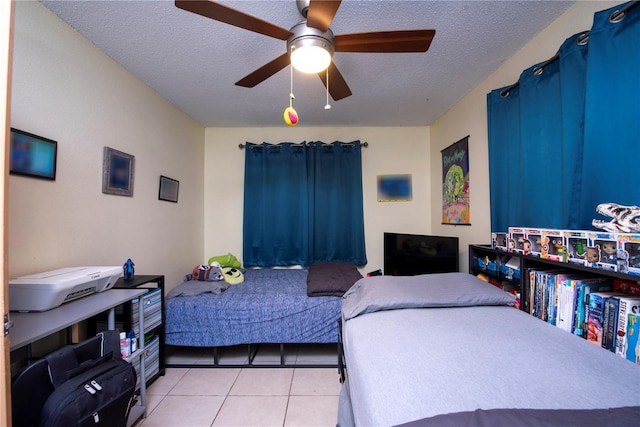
x: 527, y: 262
x: 146, y: 282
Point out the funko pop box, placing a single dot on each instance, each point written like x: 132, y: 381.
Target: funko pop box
x: 607, y: 245
x: 516, y: 242
x: 533, y: 237
x: 499, y: 241
x: 629, y: 253
x: 552, y: 245
x: 576, y: 243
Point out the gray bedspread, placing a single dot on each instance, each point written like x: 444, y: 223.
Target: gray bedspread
x: 408, y: 364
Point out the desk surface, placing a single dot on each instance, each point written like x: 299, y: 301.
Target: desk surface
x: 32, y: 326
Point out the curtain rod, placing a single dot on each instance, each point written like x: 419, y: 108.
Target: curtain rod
x: 363, y: 144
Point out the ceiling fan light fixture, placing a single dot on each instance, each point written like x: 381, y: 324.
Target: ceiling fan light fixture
x: 310, y: 49
x: 310, y: 58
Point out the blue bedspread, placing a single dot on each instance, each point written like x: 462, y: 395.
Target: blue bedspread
x: 270, y: 306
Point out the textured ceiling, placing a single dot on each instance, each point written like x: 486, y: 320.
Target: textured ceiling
x: 194, y: 62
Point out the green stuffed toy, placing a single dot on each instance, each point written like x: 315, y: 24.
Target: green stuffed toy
x: 232, y: 275
x: 227, y: 260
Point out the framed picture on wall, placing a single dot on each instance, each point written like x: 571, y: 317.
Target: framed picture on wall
x: 394, y: 188
x: 168, y: 189
x: 117, y: 172
x: 32, y: 155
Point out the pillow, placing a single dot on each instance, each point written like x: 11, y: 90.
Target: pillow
x: 331, y: 278
x: 227, y: 260
x: 207, y: 273
x: 422, y: 291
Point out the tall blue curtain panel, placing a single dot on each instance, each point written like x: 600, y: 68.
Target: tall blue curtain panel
x: 612, y: 112
x: 302, y: 204
x: 503, y: 111
x: 564, y: 138
x: 336, y: 214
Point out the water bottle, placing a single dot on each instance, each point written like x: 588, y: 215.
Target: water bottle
x: 125, y: 345
x: 133, y: 342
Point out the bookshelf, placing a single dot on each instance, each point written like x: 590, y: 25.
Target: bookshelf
x: 525, y: 263
x: 580, y: 299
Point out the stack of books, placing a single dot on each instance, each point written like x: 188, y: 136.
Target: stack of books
x: 598, y: 309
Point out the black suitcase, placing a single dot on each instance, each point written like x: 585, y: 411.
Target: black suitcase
x: 86, y: 384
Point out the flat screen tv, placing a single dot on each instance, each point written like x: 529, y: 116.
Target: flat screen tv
x: 411, y: 254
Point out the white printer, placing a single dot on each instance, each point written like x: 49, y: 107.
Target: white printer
x: 44, y: 291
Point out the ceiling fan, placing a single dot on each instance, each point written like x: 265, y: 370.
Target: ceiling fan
x: 312, y: 32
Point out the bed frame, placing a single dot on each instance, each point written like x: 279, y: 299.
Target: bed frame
x: 251, y: 351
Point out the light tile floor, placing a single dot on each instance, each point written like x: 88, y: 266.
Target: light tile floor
x: 255, y: 396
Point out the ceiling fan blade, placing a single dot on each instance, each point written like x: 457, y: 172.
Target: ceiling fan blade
x: 222, y: 13
x: 385, y: 41
x: 338, y: 88
x: 321, y: 13
x: 264, y: 72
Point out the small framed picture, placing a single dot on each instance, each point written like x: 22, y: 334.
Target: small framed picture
x: 32, y: 155
x: 117, y: 172
x: 394, y: 188
x: 168, y: 189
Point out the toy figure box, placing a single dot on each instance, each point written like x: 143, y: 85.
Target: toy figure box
x: 516, y: 240
x: 487, y: 263
x: 633, y: 331
x: 499, y: 241
x: 605, y: 244
x: 626, y: 287
x: 533, y: 239
x: 510, y: 269
x: 552, y: 245
x: 576, y: 243
x: 629, y: 253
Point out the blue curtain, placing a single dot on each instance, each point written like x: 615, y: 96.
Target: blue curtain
x: 612, y: 112
x: 554, y: 136
x: 302, y: 204
x: 503, y: 111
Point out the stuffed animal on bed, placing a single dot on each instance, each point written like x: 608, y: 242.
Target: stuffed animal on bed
x: 228, y: 260
x: 207, y: 273
x: 232, y: 276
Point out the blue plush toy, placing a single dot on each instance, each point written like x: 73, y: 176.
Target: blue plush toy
x: 128, y: 269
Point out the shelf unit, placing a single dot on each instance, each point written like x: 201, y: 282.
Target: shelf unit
x: 154, y: 320
x: 524, y: 263
x: 32, y: 326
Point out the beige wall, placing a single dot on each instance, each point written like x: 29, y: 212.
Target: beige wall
x: 391, y: 150
x: 65, y: 89
x: 469, y: 117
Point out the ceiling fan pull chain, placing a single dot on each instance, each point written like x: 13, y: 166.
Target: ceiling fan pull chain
x: 290, y: 115
x: 291, y: 97
x: 328, y: 106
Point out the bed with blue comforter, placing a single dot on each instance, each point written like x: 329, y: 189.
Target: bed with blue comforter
x: 269, y: 306
x: 455, y: 352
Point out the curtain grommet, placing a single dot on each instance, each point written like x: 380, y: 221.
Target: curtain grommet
x: 583, y: 39
x: 616, y: 16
